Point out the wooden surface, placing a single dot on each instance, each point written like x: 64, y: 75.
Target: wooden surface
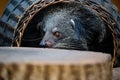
x: 52, y: 56
x: 53, y: 64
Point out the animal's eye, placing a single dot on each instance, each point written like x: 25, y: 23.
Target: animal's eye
x: 57, y: 34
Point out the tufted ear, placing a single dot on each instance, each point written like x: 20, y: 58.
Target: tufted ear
x: 79, y: 30
x: 72, y: 23
x: 76, y: 25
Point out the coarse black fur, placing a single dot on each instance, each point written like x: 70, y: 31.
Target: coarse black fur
x: 86, y: 32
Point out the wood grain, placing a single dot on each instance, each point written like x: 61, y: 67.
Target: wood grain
x: 53, y: 64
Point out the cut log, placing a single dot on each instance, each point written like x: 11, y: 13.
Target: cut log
x: 53, y: 64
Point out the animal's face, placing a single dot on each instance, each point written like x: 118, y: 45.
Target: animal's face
x: 55, y: 32
x: 64, y: 34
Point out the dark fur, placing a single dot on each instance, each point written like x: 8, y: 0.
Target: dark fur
x: 89, y: 32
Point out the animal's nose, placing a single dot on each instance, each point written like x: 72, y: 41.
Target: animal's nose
x: 42, y: 44
x: 46, y: 43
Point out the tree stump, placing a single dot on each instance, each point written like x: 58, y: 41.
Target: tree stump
x: 53, y: 64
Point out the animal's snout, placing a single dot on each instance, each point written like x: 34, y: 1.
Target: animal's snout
x: 46, y: 43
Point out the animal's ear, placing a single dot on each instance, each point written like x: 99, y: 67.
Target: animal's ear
x: 75, y: 28
x: 79, y: 30
x: 72, y: 23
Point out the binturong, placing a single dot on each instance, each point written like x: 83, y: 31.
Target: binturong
x: 79, y: 29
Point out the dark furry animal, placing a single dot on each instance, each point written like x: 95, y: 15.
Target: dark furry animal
x: 78, y: 28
